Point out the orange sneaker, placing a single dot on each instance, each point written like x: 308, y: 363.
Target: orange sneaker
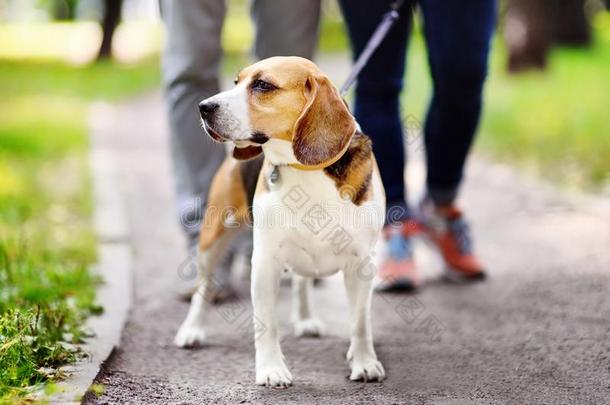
x: 446, y: 228
x: 397, y: 272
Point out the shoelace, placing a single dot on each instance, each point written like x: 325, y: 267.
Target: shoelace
x: 461, y: 231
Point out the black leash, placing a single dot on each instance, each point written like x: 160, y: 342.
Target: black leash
x: 378, y: 36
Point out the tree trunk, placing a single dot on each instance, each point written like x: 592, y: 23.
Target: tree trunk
x: 527, y: 33
x: 112, y: 17
x: 571, y: 24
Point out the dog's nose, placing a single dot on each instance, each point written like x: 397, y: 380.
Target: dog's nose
x: 207, y: 107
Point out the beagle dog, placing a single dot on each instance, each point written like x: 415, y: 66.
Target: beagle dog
x: 317, y: 206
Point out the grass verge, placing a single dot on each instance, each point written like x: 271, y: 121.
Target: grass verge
x: 46, y: 240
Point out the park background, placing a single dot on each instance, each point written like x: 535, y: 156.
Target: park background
x: 546, y: 112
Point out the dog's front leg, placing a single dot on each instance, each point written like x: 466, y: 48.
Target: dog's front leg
x: 271, y: 369
x: 361, y: 354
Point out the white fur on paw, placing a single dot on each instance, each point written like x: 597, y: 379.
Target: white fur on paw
x: 276, y: 376
x: 311, y: 327
x: 367, y: 371
x: 189, y: 335
x: 365, y: 367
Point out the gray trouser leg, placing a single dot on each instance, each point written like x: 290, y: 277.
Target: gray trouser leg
x: 191, y: 63
x: 285, y: 27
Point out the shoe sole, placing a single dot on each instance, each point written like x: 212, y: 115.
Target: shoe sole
x: 396, y: 286
x: 455, y: 276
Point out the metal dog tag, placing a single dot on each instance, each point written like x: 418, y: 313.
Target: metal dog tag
x: 273, y: 179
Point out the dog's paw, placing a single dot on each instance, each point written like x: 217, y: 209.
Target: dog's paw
x: 311, y: 327
x: 365, y: 366
x: 189, y: 335
x: 276, y: 376
x: 367, y: 370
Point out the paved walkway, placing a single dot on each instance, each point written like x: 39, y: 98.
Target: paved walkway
x: 537, y: 331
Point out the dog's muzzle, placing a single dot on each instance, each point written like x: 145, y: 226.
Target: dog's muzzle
x: 207, y: 109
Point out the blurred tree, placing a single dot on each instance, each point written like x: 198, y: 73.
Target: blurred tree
x: 532, y: 26
x: 112, y: 17
x: 527, y: 33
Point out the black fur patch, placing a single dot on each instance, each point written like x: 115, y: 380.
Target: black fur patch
x: 358, y: 153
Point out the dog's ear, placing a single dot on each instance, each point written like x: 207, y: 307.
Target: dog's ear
x: 247, y: 153
x: 325, y: 126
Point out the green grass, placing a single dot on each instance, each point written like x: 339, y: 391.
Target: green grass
x: 106, y: 80
x: 554, y: 122
x: 43, y: 307
x: 46, y: 240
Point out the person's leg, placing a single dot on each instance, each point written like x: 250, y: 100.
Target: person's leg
x: 458, y: 35
x: 377, y: 110
x: 377, y: 104
x: 190, y: 67
x: 285, y: 27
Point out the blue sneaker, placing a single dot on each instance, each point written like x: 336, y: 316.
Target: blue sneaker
x: 397, y: 272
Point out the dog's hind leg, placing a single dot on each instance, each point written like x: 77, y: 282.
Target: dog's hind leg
x: 192, y: 331
x: 226, y: 213
x: 305, y: 324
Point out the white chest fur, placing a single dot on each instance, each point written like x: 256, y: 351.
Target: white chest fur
x: 304, y: 224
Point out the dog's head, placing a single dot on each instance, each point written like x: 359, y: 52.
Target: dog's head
x: 285, y: 104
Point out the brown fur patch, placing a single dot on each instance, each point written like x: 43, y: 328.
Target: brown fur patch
x: 227, y: 197
x: 303, y: 106
x: 352, y: 173
x: 275, y: 112
x: 325, y: 127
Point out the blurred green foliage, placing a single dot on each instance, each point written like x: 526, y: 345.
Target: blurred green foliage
x: 555, y: 122
x: 105, y: 80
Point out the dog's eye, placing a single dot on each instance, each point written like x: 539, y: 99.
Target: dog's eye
x: 261, y: 85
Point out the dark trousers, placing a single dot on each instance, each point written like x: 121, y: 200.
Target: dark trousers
x: 458, y: 34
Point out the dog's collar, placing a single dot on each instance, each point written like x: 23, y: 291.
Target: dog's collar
x: 324, y: 165
x: 273, y: 178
